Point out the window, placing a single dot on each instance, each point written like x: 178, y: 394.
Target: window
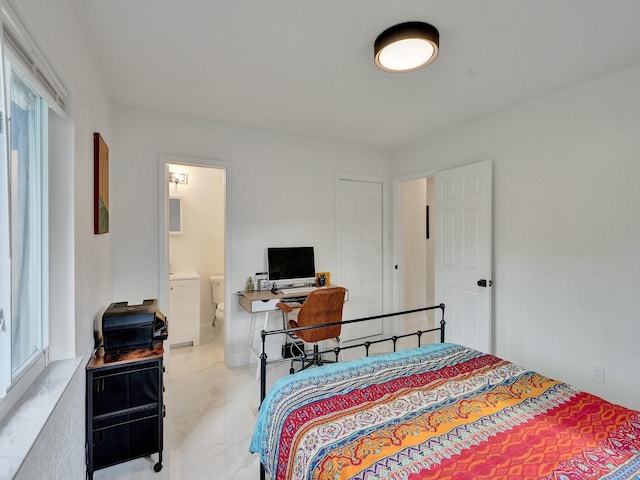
x: 28, y: 119
x: 30, y: 91
x: 28, y: 233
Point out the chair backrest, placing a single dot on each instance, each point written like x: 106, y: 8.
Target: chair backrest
x: 321, y: 306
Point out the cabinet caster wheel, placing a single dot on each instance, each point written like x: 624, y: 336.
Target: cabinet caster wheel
x: 157, y: 467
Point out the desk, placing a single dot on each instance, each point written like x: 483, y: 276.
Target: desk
x: 264, y: 302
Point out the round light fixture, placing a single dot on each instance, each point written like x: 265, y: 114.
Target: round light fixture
x: 406, y: 47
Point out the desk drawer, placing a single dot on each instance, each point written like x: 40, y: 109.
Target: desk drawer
x: 264, y: 305
x: 256, y: 302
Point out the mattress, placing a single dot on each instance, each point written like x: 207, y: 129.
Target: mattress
x: 441, y: 411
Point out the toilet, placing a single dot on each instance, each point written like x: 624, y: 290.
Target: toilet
x: 217, y: 294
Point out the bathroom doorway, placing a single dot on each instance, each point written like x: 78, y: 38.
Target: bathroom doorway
x: 193, y: 206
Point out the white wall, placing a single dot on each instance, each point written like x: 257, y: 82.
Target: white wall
x: 80, y: 262
x: 566, y: 229
x: 59, y: 30
x: 88, y: 273
x: 281, y: 192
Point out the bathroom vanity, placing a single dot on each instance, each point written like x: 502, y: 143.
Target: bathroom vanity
x: 184, y: 308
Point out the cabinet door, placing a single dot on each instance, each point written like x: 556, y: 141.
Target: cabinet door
x: 184, y: 311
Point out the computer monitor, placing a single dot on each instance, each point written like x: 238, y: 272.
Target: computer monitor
x: 290, y: 263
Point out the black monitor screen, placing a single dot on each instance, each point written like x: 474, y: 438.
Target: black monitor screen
x: 291, y: 262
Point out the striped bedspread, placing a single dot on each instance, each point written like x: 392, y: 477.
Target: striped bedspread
x: 441, y: 412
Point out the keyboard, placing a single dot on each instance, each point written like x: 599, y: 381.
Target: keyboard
x: 295, y: 300
x: 288, y: 291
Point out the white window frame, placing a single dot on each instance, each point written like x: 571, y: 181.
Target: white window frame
x: 20, y: 50
x: 5, y: 258
x: 16, y: 383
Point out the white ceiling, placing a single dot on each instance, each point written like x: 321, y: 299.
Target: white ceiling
x: 306, y: 67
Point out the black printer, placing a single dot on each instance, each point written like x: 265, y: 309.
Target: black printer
x: 126, y: 327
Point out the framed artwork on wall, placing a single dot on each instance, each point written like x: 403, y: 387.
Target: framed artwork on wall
x: 100, y: 185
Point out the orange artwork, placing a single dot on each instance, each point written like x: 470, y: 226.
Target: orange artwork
x: 327, y: 277
x: 100, y: 185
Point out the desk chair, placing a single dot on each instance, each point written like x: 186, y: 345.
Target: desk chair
x: 321, y: 306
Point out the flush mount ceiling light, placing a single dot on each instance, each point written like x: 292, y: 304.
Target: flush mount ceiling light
x: 406, y: 47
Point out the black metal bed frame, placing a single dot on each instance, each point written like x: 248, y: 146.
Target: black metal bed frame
x: 367, y: 344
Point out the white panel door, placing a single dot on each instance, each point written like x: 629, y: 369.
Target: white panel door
x: 360, y: 254
x: 463, y: 253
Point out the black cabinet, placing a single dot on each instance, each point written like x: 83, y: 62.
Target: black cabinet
x: 124, y: 407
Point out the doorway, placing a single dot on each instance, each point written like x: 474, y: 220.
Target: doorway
x: 414, y: 265
x: 454, y: 264
x: 193, y: 248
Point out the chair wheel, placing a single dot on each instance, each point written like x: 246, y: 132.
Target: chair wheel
x: 157, y: 467
x: 291, y: 371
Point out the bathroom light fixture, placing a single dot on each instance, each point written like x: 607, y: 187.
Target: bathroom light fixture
x: 178, y: 178
x: 406, y: 47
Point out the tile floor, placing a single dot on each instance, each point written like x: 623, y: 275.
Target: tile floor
x: 211, y: 412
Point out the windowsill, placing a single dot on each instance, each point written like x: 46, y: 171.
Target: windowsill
x: 20, y: 429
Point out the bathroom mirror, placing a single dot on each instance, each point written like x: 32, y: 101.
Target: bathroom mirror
x: 175, y: 215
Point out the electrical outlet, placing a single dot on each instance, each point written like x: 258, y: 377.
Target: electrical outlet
x: 597, y: 373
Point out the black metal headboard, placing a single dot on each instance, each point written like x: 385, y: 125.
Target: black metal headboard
x: 336, y: 350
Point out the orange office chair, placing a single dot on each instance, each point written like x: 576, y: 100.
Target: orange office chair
x: 321, y: 306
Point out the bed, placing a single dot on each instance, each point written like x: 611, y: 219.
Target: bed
x: 436, y: 412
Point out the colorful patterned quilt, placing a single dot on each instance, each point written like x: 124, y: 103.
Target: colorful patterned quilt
x: 441, y: 412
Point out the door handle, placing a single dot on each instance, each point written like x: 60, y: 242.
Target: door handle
x: 484, y: 283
